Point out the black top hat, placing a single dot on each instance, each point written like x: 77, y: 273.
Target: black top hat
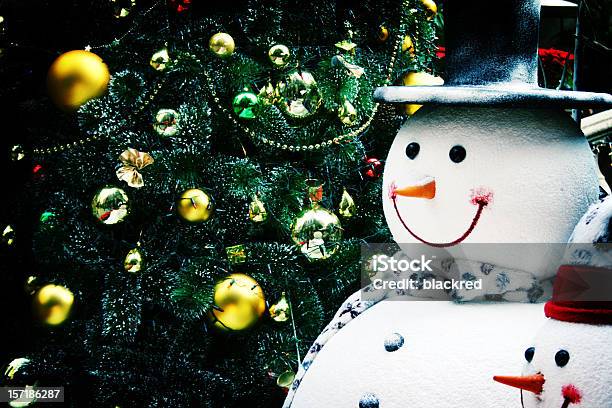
x: 492, y: 61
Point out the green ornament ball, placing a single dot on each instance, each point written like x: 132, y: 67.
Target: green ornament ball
x: 246, y: 105
x: 48, y: 220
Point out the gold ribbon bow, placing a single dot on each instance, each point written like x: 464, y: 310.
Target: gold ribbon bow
x: 131, y: 161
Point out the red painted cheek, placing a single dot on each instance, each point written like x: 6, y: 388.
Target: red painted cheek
x: 392, y: 191
x: 481, y: 195
x: 571, y: 393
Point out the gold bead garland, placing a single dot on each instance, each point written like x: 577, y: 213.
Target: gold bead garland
x: 318, y: 146
x: 89, y: 139
x: 129, y: 31
x: 303, y: 148
x: 346, y: 137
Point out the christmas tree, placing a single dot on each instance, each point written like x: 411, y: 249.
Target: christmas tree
x: 206, y: 221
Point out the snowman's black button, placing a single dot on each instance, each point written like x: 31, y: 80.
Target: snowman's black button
x: 393, y: 342
x: 562, y: 358
x: 457, y: 153
x: 529, y: 354
x: 412, y: 150
x: 369, y: 400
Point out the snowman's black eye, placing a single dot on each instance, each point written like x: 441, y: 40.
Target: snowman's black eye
x: 529, y: 354
x: 412, y: 150
x: 562, y: 358
x: 457, y: 153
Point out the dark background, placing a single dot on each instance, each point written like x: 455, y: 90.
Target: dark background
x: 33, y: 34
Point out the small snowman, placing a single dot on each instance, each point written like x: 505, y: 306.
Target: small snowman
x: 568, y: 363
x: 489, y: 159
x: 314, y: 248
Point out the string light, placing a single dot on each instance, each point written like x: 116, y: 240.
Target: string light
x: 128, y: 32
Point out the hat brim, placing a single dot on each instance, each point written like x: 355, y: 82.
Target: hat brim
x: 486, y: 95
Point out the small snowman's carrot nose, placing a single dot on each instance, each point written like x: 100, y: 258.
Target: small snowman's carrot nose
x: 424, y: 189
x: 533, y: 383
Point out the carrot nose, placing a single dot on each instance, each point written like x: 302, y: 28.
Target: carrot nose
x: 533, y: 383
x: 424, y: 189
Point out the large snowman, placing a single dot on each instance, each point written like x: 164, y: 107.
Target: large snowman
x: 490, y: 159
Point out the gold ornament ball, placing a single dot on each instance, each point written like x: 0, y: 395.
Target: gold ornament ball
x: 75, y: 77
x: 31, y: 285
x: 419, y: 79
x: 347, y: 113
x: 347, y: 207
x: 167, y: 122
x: 299, y: 94
x: 17, y: 152
x: 268, y: 94
x: 239, y: 303
x: 23, y: 402
x: 122, y: 8
x: 408, y: 45
x: 8, y: 235
x: 383, y: 34
x: 110, y: 205
x: 195, y: 206
x: 9, y: 373
x: 160, y: 60
x: 52, y: 304
x: 430, y: 7
x: 279, y: 55
x: 257, y: 210
x: 133, y: 261
x: 14, y: 366
x: 222, y: 45
x: 317, y: 232
x: 280, y: 311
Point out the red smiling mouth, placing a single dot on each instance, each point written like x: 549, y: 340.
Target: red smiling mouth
x: 481, y: 198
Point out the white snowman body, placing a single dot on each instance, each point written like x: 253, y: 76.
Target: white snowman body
x: 449, y: 355
x: 588, y: 370
x: 537, y: 168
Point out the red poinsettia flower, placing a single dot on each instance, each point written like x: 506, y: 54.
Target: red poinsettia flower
x: 555, y: 56
x: 547, y: 55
